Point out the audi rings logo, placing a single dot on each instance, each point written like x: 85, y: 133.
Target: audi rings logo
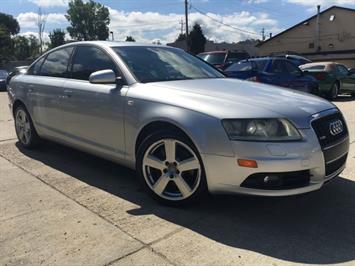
x: 336, y: 127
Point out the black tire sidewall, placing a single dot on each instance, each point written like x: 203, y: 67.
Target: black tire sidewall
x: 335, y: 86
x: 34, y: 139
x: 146, y: 143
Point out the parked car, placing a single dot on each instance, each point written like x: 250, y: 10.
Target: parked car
x: 3, y: 77
x: 296, y: 59
x: 16, y: 71
x: 275, y: 71
x: 223, y: 59
x: 179, y: 122
x: 333, y: 78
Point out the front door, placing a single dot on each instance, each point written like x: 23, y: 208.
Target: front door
x: 347, y: 80
x: 93, y: 113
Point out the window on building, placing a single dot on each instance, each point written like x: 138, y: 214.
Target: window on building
x: 332, y: 18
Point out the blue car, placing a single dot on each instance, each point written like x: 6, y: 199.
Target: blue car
x: 275, y: 71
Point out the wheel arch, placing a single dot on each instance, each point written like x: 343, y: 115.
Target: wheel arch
x: 337, y: 81
x: 159, y: 125
x: 16, y: 104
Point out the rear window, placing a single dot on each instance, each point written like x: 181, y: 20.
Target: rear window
x: 241, y: 66
x: 235, y: 57
x: 314, y: 68
x: 214, y: 58
x: 260, y: 64
x: 3, y: 74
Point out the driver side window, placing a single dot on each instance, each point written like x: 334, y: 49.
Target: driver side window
x: 292, y: 69
x: 88, y: 59
x: 342, y: 70
x: 278, y: 67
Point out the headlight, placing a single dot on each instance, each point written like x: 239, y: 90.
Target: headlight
x: 271, y: 129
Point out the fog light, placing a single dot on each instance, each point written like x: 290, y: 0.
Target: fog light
x: 271, y: 179
x: 247, y: 163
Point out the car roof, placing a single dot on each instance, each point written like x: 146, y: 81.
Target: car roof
x: 117, y: 44
x: 263, y: 58
x: 215, y: 52
x: 319, y: 64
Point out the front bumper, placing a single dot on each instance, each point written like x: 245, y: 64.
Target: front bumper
x: 224, y: 175
x: 3, y: 84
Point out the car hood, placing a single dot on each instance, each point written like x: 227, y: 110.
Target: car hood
x: 231, y: 98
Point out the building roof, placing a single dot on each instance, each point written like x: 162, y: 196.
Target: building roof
x: 302, y: 22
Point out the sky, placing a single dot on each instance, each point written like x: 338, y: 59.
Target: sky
x: 152, y: 20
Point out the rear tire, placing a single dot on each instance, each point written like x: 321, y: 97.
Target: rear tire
x: 171, y: 168
x: 25, y: 131
x: 334, y: 91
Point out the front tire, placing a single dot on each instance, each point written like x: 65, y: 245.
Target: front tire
x: 334, y: 91
x: 25, y: 131
x: 171, y: 169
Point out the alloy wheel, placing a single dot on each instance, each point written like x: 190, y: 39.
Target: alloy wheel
x: 171, y: 169
x: 23, y: 126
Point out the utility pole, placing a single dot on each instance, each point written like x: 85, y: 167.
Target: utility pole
x: 182, y: 26
x: 263, y: 34
x: 187, y: 26
x: 41, y: 23
x: 317, y: 29
x: 111, y: 32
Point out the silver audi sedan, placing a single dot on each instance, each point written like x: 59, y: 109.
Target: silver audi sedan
x: 184, y: 126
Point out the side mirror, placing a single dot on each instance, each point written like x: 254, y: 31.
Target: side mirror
x: 106, y: 76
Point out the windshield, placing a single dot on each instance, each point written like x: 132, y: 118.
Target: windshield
x: 314, y: 68
x: 214, y: 59
x: 241, y: 66
x: 151, y: 64
x: 3, y: 74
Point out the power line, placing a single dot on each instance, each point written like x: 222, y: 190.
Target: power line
x: 222, y: 23
x: 150, y: 24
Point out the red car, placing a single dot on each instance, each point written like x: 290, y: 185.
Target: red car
x: 223, y: 59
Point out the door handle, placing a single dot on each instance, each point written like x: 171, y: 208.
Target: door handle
x: 30, y: 88
x: 67, y: 94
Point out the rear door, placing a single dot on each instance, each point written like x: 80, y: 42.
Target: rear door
x: 45, y: 86
x: 296, y: 78
x: 277, y: 71
x: 347, y: 80
x: 93, y: 113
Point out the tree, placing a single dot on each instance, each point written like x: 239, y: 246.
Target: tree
x: 21, y: 47
x: 8, y: 26
x: 197, y: 40
x: 25, y: 47
x: 156, y: 42
x: 7, y: 22
x: 89, y: 20
x: 57, y: 38
x: 34, y: 44
x: 130, y: 39
x: 181, y: 37
x: 5, y: 45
